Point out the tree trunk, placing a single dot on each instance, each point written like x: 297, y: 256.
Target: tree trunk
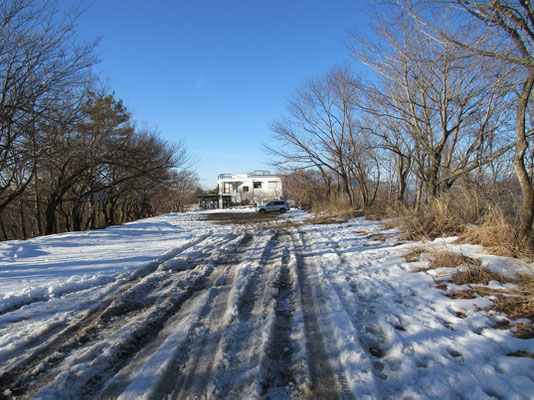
x: 77, y: 217
x: 527, y: 191
x: 419, y: 194
x: 38, y: 214
x: 3, y: 226
x: 51, y: 217
x: 23, y: 220
x: 401, y: 179
x: 347, y: 187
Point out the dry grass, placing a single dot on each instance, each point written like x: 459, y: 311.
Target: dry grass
x: 521, y: 353
x: 516, y: 304
x: 498, y: 236
x: 335, y: 216
x: 446, y: 215
x: 521, y: 304
x: 476, y: 274
x: 336, y: 208
x: 485, y: 216
x: 414, y: 254
x: 523, y: 331
x: 440, y: 259
x: 448, y: 259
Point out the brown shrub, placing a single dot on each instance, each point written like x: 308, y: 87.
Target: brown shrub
x: 448, y: 259
x: 498, y: 236
x: 446, y: 215
x: 515, y: 303
x: 470, y: 274
x: 413, y: 254
x: 521, y: 303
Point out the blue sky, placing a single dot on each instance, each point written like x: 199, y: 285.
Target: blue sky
x: 215, y: 73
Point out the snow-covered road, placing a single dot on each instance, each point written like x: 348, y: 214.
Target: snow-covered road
x: 179, y: 307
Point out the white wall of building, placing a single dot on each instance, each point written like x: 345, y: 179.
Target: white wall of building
x: 256, y: 188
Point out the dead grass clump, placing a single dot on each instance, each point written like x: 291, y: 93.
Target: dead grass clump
x: 521, y: 353
x: 523, y: 331
x: 516, y: 304
x: 521, y: 303
x: 477, y: 291
x: 334, y: 216
x: 448, y: 259
x: 446, y: 215
x: 516, y: 307
x: 477, y: 274
x: 440, y: 259
x: 462, y: 295
x: 498, y: 236
x: 414, y: 254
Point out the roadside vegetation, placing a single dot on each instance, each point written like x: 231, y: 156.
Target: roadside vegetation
x: 464, y: 277
x: 71, y: 155
x: 433, y: 134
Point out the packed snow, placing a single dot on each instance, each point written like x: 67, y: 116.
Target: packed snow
x: 178, y: 306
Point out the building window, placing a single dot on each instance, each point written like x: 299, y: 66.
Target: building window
x: 245, y: 188
x: 257, y: 185
x: 273, y: 184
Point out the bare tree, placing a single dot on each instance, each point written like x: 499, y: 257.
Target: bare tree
x: 442, y: 112
x: 321, y: 129
x: 40, y: 67
x: 499, y: 32
x: 307, y: 187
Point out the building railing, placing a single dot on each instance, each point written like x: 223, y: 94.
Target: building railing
x: 225, y: 176
x: 258, y: 172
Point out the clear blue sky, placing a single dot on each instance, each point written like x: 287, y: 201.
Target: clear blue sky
x: 215, y: 73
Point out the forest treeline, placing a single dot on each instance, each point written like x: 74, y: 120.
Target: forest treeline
x: 436, y: 124
x: 71, y: 156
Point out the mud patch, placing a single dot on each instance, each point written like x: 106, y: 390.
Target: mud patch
x: 252, y: 217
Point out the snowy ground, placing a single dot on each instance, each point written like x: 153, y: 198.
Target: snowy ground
x: 179, y: 307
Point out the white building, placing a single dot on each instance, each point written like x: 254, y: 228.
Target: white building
x: 255, y: 188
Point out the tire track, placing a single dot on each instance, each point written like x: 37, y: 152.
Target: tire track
x: 277, y: 368
x: 356, y: 364
x: 125, y: 281
x: 36, y: 350
x: 241, y: 316
x: 36, y: 370
x: 372, y: 338
x: 325, y: 383
x: 241, y: 342
x: 192, y: 362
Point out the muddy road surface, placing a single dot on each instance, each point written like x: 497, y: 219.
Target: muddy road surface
x: 242, y: 306
x: 238, y: 316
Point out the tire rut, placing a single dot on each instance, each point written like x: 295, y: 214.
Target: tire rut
x: 325, y: 383
x: 27, y: 376
x: 375, y: 348
x: 191, y: 367
x: 278, y: 375
x: 242, y: 339
x: 49, y: 342
x: 140, y: 273
x: 244, y: 316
